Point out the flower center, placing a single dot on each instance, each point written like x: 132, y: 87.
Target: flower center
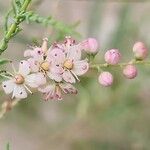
x: 68, y: 64
x: 19, y: 79
x: 45, y: 66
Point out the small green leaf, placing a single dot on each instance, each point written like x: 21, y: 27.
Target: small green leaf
x: 4, y: 61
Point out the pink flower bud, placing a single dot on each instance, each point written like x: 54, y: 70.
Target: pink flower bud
x: 140, y: 51
x: 105, y: 79
x: 130, y: 71
x: 90, y: 45
x: 69, y: 41
x: 112, y: 56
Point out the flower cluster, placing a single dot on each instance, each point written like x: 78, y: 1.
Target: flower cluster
x: 52, y: 71
x: 112, y: 57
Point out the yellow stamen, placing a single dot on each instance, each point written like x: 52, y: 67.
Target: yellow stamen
x: 68, y: 64
x: 45, y: 66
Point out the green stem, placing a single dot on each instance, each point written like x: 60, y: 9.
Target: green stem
x: 105, y: 65
x: 13, y: 27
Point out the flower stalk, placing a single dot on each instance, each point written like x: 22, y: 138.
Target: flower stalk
x: 105, y: 65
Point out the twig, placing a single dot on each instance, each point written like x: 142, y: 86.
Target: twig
x: 14, y: 27
x: 105, y: 65
x: 7, y: 106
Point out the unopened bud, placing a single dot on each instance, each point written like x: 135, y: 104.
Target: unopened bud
x: 105, y: 79
x: 130, y: 71
x: 140, y: 51
x: 90, y: 45
x: 112, y: 56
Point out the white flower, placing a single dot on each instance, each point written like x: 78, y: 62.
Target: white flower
x: 19, y: 82
x: 70, y: 63
x: 43, y: 62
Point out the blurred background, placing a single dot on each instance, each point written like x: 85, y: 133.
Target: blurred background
x: 98, y: 118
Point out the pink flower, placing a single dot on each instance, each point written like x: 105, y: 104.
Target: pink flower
x: 70, y: 63
x: 19, y: 82
x: 140, y: 51
x: 105, y: 79
x: 69, y: 41
x: 90, y: 45
x: 55, y: 91
x: 112, y: 56
x: 68, y: 44
x: 130, y: 71
x: 44, y: 63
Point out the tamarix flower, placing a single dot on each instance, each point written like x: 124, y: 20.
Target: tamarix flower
x: 140, y: 51
x: 112, y: 56
x: 71, y: 64
x: 105, y: 79
x: 55, y: 91
x: 130, y: 71
x: 19, y: 82
x: 40, y: 61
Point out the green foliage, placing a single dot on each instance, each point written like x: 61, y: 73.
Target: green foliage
x: 19, y: 11
x: 60, y: 27
x: 4, y: 61
x: 20, y: 14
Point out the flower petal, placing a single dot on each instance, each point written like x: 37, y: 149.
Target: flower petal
x: 74, y: 52
x: 56, y: 54
x: 54, y: 76
x: 19, y: 92
x: 34, y: 65
x: 68, y: 88
x: 8, y: 86
x: 48, y: 91
x: 28, y: 53
x: 38, y: 54
x: 24, y: 68
x: 80, y: 67
x: 35, y: 80
x: 68, y: 77
x: 51, y: 92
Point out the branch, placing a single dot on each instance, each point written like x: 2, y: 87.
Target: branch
x: 14, y: 27
x: 105, y: 65
x: 60, y: 26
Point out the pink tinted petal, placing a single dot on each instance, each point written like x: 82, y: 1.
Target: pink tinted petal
x: 68, y: 88
x: 24, y: 68
x: 38, y: 54
x: 34, y: 65
x: 80, y: 67
x: 46, y: 89
x: 56, y: 54
x: 19, y: 92
x: 55, y: 76
x: 8, y: 86
x: 68, y: 77
x: 58, y: 94
x: 35, y: 80
x: 56, y: 68
x: 60, y: 46
x: 74, y: 52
